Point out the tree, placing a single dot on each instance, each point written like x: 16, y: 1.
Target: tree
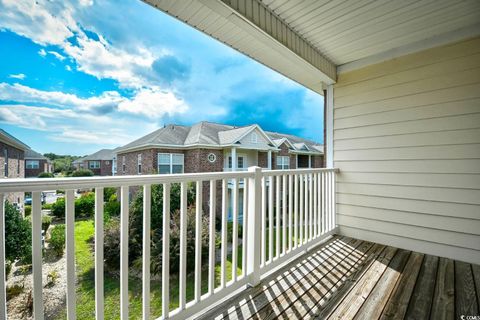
x: 18, y: 235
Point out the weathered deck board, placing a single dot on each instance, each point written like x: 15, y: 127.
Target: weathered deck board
x: 303, y: 301
x: 465, y: 297
x: 421, y: 300
x: 444, y: 298
x: 376, y: 301
x: 346, y: 278
x: 398, y: 303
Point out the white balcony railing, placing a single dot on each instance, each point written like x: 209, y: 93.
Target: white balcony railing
x: 287, y: 212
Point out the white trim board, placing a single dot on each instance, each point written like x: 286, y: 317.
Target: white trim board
x: 435, y: 41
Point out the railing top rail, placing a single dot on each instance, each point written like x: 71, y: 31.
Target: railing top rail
x: 42, y: 184
x: 298, y: 171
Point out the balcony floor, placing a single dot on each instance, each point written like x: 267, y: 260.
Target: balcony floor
x: 347, y: 278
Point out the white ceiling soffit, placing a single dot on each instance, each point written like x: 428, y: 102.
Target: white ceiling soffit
x: 249, y: 27
x: 356, y: 33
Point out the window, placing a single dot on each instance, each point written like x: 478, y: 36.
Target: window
x: 283, y: 162
x: 170, y: 163
x: 254, y: 137
x: 94, y: 164
x: 124, y: 167
x: 33, y: 164
x: 240, y: 162
x: 139, y: 164
x: 18, y: 165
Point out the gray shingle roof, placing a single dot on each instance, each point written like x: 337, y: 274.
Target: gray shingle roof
x: 209, y: 134
x: 11, y: 140
x: 31, y: 154
x: 103, y: 154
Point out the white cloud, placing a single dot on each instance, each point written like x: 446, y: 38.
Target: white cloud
x: 57, y: 55
x: 24, y: 94
x: 42, y: 52
x: 20, y: 76
x: 86, y: 3
x: 68, y: 68
x: 154, y: 103
x: 150, y: 102
x: 44, y: 22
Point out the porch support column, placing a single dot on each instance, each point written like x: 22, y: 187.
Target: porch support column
x: 309, y: 160
x: 329, y: 126
x: 234, y: 159
x: 269, y: 160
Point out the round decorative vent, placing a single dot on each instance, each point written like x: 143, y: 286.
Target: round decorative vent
x: 212, y: 157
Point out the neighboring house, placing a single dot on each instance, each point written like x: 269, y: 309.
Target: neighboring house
x: 36, y: 163
x: 100, y: 162
x: 12, y: 164
x: 208, y: 147
x: 213, y: 147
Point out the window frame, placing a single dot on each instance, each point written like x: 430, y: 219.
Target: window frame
x: 28, y: 164
x: 90, y: 162
x: 283, y: 162
x: 171, y: 162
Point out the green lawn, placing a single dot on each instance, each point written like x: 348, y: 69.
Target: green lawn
x: 84, y: 231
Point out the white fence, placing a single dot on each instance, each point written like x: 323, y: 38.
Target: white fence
x: 287, y: 211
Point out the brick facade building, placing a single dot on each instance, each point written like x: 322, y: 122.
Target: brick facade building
x: 12, y: 165
x: 36, y: 163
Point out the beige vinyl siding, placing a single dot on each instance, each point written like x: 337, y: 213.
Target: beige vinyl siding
x: 407, y: 142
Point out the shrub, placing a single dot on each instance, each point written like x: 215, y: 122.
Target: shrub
x: 46, y: 175
x: 109, y: 192
x: 85, y: 205
x: 28, y: 210
x: 57, y: 240
x: 112, y: 231
x: 47, y: 206
x: 46, y: 221
x: 111, y: 242
x: 112, y: 207
x: 58, y: 208
x: 82, y: 173
x: 18, y: 235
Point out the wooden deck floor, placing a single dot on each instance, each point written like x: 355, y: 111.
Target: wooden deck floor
x: 346, y: 278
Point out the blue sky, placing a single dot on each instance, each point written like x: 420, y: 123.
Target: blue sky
x: 83, y: 75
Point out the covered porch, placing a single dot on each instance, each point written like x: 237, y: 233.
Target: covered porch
x: 390, y: 229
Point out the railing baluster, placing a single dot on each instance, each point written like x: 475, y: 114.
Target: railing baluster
x: 37, y: 256
x: 322, y: 180
x: 70, y: 249
x: 284, y: 212
x: 3, y: 294
x: 99, y: 291
x: 183, y: 246
x: 235, y: 230
x: 264, y: 221
x: 307, y: 194
x: 334, y: 211
x: 295, y: 210
x: 319, y: 205
x: 300, y: 204
x: 315, y: 201
x: 124, y: 253
x: 277, y: 211
x: 310, y: 206
x: 290, y: 211
x: 224, y: 244
x: 198, y: 241
x: 166, y: 252
x: 147, y: 205
x: 244, y: 227
x: 329, y: 201
x: 270, y: 218
x: 211, y: 256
